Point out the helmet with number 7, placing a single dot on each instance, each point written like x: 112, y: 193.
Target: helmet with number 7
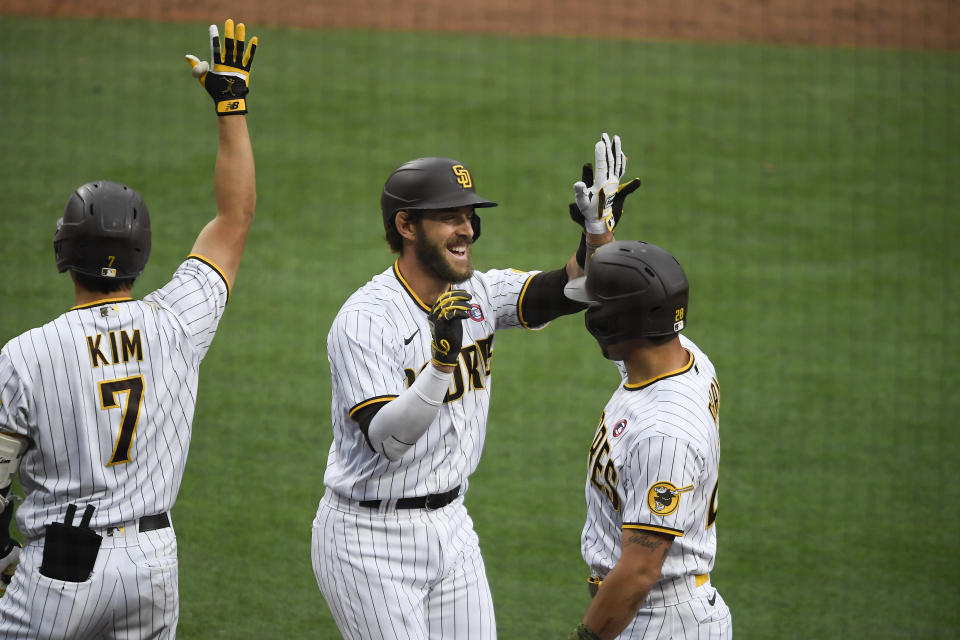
x: 428, y: 184
x: 104, y: 232
x: 634, y: 290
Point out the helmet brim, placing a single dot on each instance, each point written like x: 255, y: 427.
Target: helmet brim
x: 576, y: 290
x: 461, y: 200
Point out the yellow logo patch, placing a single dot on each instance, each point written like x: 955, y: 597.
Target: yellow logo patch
x: 463, y: 176
x: 663, y: 498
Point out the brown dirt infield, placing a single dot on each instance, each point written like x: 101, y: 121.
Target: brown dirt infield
x: 909, y: 24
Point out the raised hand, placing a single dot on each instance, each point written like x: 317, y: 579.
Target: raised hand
x: 228, y: 82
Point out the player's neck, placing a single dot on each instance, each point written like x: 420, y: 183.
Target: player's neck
x: 650, y: 361
x: 85, y: 296
x: 422, y: 281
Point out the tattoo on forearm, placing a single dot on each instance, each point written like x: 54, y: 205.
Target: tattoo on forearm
x: 650, y: 541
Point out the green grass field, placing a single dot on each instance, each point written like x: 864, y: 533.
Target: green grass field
x: 809, y: 193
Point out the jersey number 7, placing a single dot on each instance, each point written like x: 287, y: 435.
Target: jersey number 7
x: 109, y: 390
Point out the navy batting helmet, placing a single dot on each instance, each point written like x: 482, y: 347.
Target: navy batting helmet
x: 430, y: 183
x: 104, y: 232
x: 634, y: 290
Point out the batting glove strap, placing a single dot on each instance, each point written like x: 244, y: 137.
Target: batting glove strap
x: 443, y: 354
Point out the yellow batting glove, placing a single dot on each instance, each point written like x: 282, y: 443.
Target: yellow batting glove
x: 228, y: 82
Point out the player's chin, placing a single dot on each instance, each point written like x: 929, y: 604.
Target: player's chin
x: 459, y: 264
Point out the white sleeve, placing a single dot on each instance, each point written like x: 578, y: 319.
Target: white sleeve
x: 506, y: 288
x: 14, y: 402
x: 366, y: 357
x: 197, y: 296
x: 401, y: 422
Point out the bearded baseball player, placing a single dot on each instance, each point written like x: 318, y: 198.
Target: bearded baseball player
x: 96, y: 406
x: 650, y: 538
x: 411, y: 360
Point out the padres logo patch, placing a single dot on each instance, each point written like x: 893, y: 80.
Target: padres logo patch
x: 463, y: 176
x: 663, y: 498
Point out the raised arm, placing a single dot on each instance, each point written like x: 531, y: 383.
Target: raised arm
x: 598, y: 207
x: 222, y: 240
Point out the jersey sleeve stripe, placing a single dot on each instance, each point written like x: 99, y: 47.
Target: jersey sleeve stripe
x: 652, y: 527
x: 408, y: 289
x: 523, y: 291
x: 210, y: 263
x: 370, y: 401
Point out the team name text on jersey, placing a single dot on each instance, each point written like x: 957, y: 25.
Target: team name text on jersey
x: 475, y: 359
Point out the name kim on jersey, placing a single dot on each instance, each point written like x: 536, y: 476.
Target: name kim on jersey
x: 122, y: 349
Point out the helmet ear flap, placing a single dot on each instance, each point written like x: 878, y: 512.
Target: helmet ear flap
x: 475, y: 223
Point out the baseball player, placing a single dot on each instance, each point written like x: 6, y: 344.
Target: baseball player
x: 650, y: 538
x: 96, y: 406
x: 411, y: 360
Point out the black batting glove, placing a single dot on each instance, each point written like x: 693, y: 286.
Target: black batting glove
x: 228, y: 82
x: 446, y: 326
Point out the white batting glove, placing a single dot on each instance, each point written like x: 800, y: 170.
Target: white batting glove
x: 596, y: 202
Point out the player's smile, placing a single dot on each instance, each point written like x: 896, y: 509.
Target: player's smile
x: 443, y: 244
x: 460, y: 250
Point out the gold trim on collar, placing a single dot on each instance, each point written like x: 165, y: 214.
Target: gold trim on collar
x: 408, y: 288
x: 640, y: 385
x: 100, y: 302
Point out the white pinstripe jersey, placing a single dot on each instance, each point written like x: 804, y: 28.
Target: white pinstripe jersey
x: 653, y: 466
x: 378, y: 344
x: 106, y: 393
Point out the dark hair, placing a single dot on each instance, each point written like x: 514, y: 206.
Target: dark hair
x: 102, y: 285
x: 393, y: 237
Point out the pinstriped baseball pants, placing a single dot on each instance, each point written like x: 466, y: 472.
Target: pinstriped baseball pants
x: 132, y: 593
x: 696, y: 619
x: 401, y: 574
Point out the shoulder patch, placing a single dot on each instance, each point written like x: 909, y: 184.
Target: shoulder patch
x: 476, y: 313
x: 663, y: 497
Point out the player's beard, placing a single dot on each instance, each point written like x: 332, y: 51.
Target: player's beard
x: 435, y: 258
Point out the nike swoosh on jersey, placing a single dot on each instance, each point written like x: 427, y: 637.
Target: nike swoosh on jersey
x: 407, y: 341
x: 712, y: 599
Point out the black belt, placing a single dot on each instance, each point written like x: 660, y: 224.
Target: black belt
x: 152, y: 523
x: 431, y: 502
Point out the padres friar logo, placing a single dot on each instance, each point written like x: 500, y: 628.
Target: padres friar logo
x: 663, y: 498
x: 463, y: 176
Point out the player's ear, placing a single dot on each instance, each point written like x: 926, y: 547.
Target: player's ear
x: 406, y: 225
